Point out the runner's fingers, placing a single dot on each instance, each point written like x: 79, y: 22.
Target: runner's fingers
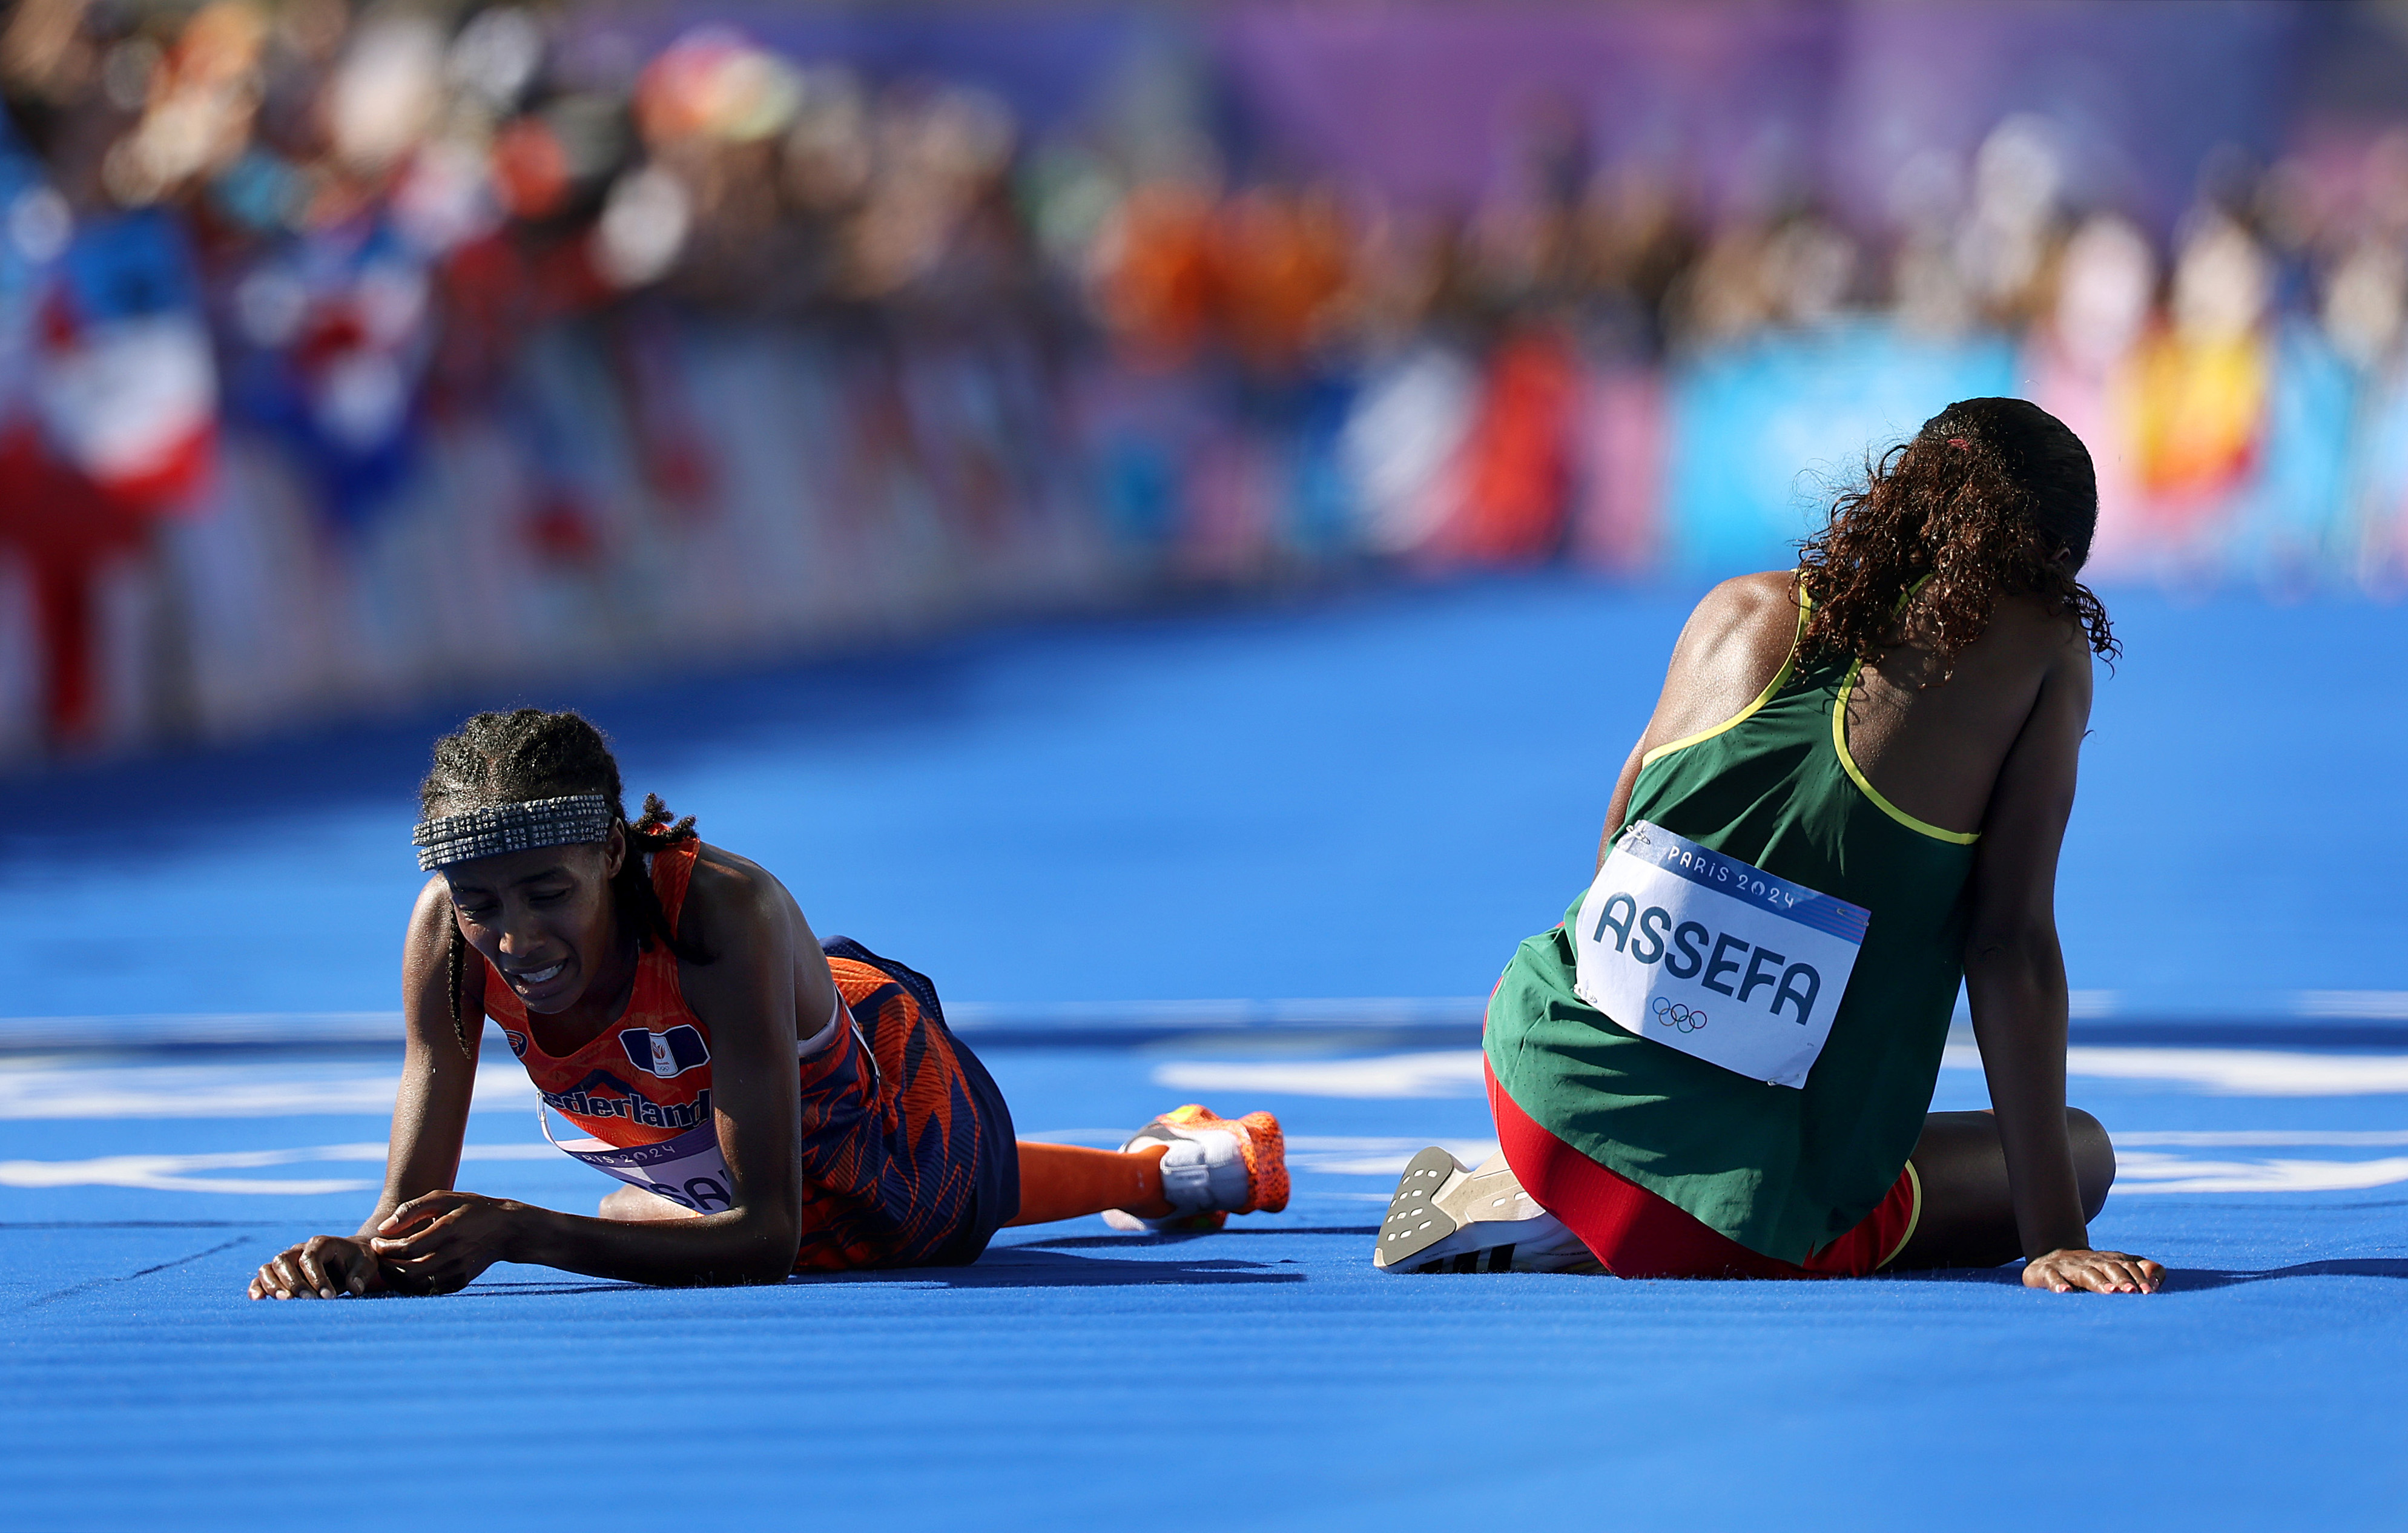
x: 418, y: 1262
x: 313, y: 1271
x: 431, y: 1235
x: 425, y: 1250
x: 2113, y: 1273
x: 2145, y: 1275
x: 431, y: 1272
x: 289, y: 1281
x: 2094, y: 1271
x: 2093, y: 1275
x: 418, y: 1210
x: 401, y: 1280
x: 345, y: 1264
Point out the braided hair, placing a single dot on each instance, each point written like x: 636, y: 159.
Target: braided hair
x: 1992, y: 496
x: 510, y: 758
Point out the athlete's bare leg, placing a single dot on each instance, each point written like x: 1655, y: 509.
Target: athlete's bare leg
x: 1969, y: 1217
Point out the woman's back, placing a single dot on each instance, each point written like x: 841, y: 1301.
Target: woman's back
x: 1929, y: 740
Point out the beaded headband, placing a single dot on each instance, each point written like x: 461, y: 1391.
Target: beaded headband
x: 499, y: 829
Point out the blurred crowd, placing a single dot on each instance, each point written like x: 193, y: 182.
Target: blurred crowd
x: 349, y: 355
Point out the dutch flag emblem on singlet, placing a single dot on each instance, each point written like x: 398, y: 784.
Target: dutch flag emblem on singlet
x: 667, y: 1053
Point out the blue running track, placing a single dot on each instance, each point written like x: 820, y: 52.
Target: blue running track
x: 1092, y: 837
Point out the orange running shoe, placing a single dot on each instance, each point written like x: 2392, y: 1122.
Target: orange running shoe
x: 1215, y: 1166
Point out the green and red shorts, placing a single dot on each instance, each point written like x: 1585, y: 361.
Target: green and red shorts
x: 1637, y: 1234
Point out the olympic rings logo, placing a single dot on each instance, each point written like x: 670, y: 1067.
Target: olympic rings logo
x: 1673, y: 1014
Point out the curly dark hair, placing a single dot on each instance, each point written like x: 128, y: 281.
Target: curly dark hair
x: 1992, y: 496
x: 510, y: 758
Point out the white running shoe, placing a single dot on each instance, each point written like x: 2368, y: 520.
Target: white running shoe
x: 1215, y: 1166
x: 1447, y: 1217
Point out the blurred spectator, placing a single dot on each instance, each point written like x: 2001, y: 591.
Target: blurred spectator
x: 349, y: 351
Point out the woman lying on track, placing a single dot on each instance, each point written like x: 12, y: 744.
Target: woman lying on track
x: 774, y: 1103
x: 1850, y: 798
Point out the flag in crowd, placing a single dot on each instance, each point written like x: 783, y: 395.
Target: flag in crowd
x: 350, y: 355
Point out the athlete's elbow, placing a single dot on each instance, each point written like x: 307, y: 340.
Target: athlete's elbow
x: 768, y: 1256
x: 769, y: 1267
x: 2013, y: 947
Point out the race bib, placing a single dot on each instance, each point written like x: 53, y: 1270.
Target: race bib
x: 687, y: 1170
x: 1715, y: 957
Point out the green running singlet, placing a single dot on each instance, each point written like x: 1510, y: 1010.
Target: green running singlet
x: 1781, y: 1170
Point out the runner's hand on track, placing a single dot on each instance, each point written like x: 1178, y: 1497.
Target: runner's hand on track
x: 439, y: 1243
x: 322, y: 1266
x: 2098, y: 1271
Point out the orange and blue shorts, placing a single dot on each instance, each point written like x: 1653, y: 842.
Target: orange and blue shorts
x: 908, y: 1153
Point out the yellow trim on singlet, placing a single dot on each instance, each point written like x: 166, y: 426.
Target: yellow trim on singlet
x: 1780, y: 679
x: 1840, y: 744
x: 1914, y: 1217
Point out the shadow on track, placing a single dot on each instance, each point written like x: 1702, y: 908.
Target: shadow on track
x: 2194, y: 1279
x: 1146, y: 1242
x: 2185, y: 1279
x: 1007, y: 1267
x: 1020, y: 1267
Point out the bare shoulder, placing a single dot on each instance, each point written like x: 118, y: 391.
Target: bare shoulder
x: 425, y: 954
x: 736, y: 909
x: 1745, y: 601
x: 730, y: 897
x: 432, y: 904
x: 2028, y: 628
x: 1742, y: 621
x: 429, y: 918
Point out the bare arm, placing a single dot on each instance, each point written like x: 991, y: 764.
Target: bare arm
x: 1730, y: 650
x: 2014, y: 980
x: 2014, y: 970
x: 430, y: 1111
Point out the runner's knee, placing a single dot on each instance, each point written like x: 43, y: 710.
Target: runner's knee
x: 2094, y: 1159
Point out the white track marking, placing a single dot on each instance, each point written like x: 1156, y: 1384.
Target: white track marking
x: 2229, y: 1072
x: 2382, y: 1004
x: 2235, y: 1139
x: 2145, y: 1172
x: 1456, y: 1073
x: 1441, y: 1072
x: 1348, y: 1154
x: 2139, y: 1170
x: 174, y: 1173
x: 44, y: 1089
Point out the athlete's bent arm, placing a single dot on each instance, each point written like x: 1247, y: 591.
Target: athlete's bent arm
x: 1733, y: 644
x: 430, y: 1115
x: 2015, y: 981
x: 440, y: 1241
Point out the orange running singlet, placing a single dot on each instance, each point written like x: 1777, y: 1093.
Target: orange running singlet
x: 907, y: 1147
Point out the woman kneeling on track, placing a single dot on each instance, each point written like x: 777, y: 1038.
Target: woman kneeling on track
x: 1849, y: 801
x: 775, y: 1104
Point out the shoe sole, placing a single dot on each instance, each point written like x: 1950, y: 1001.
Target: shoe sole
x: 1445, y: 1216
